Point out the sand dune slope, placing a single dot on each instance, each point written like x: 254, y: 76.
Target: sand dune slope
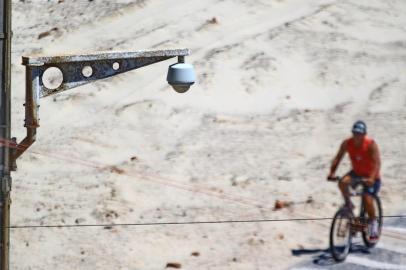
x: 279, y: 85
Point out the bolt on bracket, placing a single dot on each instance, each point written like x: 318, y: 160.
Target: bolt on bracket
x: 6, y: 183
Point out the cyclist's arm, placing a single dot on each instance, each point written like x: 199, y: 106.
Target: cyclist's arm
x: 374, y: 152
x: 337, y: 159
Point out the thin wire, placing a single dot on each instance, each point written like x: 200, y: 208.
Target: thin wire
x: 104, y: 166
x: 156, y: 179
x: 180, y: 223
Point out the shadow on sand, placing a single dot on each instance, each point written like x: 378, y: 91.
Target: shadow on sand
x: 322, y: 257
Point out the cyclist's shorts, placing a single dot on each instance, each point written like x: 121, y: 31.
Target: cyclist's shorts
x: 355, y: 178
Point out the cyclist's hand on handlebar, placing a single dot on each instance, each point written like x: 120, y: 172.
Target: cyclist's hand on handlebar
x: 331, y: 177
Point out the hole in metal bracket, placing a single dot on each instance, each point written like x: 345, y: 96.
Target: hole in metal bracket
x: 116, y: 65
x: 52, y: 78
x: 87, y: 71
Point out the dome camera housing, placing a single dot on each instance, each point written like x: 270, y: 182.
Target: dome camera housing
x: 181, y: 76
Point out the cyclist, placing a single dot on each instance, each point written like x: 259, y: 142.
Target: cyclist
x: 365, y: 160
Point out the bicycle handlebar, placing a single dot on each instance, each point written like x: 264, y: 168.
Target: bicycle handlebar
x: 337, y: 178
x: 333, y: 179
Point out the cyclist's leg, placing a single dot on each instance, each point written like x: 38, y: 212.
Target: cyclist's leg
x: 343, y: 184
x: 369, y: 205
x: 368, y: 198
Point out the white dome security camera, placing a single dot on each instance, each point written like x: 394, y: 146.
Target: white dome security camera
x: 181, y: 76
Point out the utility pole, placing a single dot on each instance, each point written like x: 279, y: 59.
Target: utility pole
x: 5, y: 66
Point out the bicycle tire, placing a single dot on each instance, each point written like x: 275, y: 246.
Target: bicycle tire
x: 340, y: 253
x: 365, y: 234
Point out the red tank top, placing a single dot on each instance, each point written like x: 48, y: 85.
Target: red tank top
x: 361, y: 159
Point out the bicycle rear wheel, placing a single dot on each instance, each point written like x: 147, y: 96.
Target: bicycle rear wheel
x: 364, y: 215
x: 340, y: 235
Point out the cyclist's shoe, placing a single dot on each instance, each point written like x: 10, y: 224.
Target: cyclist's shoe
x: 373, y: 238
x: 373, y: 231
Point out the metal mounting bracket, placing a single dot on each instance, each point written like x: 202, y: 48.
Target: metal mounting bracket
x: 77, y: 70
x: 101, y: 65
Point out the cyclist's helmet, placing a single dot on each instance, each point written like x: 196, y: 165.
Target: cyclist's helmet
x: 359, y: 127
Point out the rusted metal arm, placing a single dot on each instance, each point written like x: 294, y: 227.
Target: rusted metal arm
x: 32, y: 81
x: 26, y: 143
x: 77, y: 70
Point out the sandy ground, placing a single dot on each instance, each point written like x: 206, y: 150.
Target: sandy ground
x: 279, y: 85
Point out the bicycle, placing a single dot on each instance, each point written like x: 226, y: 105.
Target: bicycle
x: 346, y: 225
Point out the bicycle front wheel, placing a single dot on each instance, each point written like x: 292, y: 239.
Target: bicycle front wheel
x: 340, y: 235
